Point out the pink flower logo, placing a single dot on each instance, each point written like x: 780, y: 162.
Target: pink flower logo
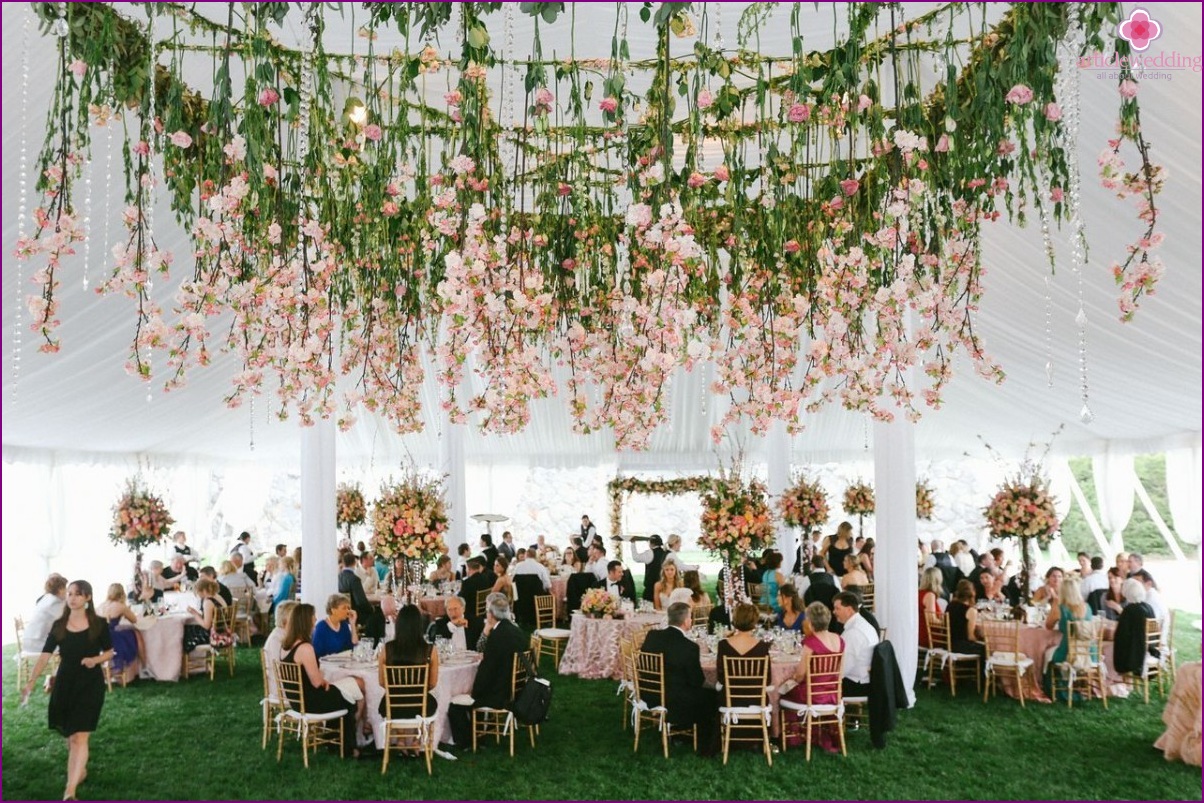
x: 1139, y: 30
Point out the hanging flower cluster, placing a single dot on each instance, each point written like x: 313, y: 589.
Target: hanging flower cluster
x: 859, y: 499
x: 350, y: 508
x: 1023, y: 508
x: 409, y: 518
x: 735, y: 519
x: 804, y: 504
x: 140, y: 519
x: 924, y: 501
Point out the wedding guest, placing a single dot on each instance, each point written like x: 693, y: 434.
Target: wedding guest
x: 865, y: 557
x: 821, y: 584
x: 223, y: 592
x: 817, y: 640
x: 693, y: 581
x: 443, y: 572
x: 986, y: 564
x: 503, y: 584
x: 1093, y: 574
x: 352, y: 587
x: 455, y: 626
x: 47, y: 610
x: 366, y: 571
x: 963, y: 620
x: 931, y: 591
x: 337, y: 632
x: 669, y: 580
x: 233, y: 578
x: 742, y: 642
x: 82, y: 641
x: 319, y: 694
x: 506, y: 547
x: 488, y: 550
x: 687, y: 697
x: 500, y: 641
x: 463, y: 553
x: 838, y: 546
x: 1071, y: 608
x: 477, y: 582
x: 618, y: 582
x: 771, y: 580
x: 531, y: 564
x: 860, y: 638
x: 570, y: 562
x: 790, y: 609
x: 202, y: 628
x: 1153, y: 597
x: 273, y: 645
x: 963, y: 561
x: 1051, y: 591
x: 1130, y: 646
x: 267, y: 578
x: 597, y: 562
x: 285, y: 582
x: 127, y: 642
x: 1136, y: 563
x: 854, y: 575
x: 409, y: 648
x: 177, y: 573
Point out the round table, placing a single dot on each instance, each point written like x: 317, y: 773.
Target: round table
x: 456, y: 676
x: 593, y: 648
x: 781, y: 669
x: 163, y: 640
x: 1036, y: 642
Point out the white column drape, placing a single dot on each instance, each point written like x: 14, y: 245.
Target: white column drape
x: 456, y: 499
x: 895, y: 578
x: 1114, y: 480
x: 1183, y: 491
x: 319, y: 535
x: 777, y: 454
x: 1059, y: 486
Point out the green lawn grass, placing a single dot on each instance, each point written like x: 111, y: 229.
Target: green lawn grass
x: 200, y: 740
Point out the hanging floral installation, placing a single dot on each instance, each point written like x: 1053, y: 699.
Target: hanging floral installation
x: 543, y: 225
x: 140, y: 519
x: 925, y: 501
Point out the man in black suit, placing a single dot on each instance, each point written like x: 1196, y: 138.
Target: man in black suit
x: 488, y: 551
x: 619, y: 582
x: 687, y: 697
x: 821, y: 585
x: 506, y: 548
x: 351, y: 585
x: 502, y: 640
x: 652, y: 560
x: 476, y: 582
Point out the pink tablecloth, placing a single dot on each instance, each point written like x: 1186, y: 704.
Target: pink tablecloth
x: 593, y: 648
x: 454, y: 679
x: 1037, y: 642
x: 1181, y: 741
x: 164, y: 642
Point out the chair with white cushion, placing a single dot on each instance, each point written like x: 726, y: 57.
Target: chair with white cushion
x: 549, y: 639
x: 311, y: 729
x: 959, y: 665
x: 405, y: 692
x: 745, y: 708
x: 1004, y: 656
x: 823, y: 683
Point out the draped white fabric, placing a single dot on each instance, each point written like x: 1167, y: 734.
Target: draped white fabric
x: 1059, y: 486
x: 895, y: 578
x: 778, y: 466
x: 1183, y: 491
x: 454, y: 496
x: 1114, y: 479
x: 319, y: 577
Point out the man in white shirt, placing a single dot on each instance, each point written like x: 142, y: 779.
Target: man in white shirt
x: 860, y: 638
x: 1152, y: 596
x: 366, y: 570
x: 527, y: 564
x: 46, y: 611
x: 1091, y: 570
x: 597, y: 563
x: 273, y: 647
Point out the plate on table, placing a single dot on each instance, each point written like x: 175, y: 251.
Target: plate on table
x: 145, y: 623
x: 460, y: 660
x: 339, y: 657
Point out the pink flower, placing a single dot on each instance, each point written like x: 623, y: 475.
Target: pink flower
x: 1053, y: 112
x: 563, y: 189
x: 390, y: 208
x: 792, y: 247
x: 722, y: 173
x: 1019, y: 95
x: 142, y: 148
x: 79, y: 67
x: 608, y: 105
x: 942, y: 144
x: 864, y: 103
x: 544, y: 97
x: 1055, y: 195
x: 181, y: 139
x: 1128, y: 89
x: 268, y: 97
x: 372, y: 132
x: 705, y: 99
x: 696, y: 180
x: 799, y: 113
x: 849, y: 186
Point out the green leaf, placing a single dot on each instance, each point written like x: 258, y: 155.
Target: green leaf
x: 589, y: 90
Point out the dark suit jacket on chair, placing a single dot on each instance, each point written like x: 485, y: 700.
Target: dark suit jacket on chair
x: 469, y: 589
x: 685, y: 696
x: 492, y: 685
x: 576, y: 587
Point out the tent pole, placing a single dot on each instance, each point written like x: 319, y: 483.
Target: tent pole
x: 895, y: 575
x: 319, y: 534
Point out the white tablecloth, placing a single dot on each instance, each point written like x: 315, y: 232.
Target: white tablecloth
x: 164, y: 641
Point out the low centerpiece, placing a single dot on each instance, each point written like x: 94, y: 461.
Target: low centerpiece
x: 597, y: 602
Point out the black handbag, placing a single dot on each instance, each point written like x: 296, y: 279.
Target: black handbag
x: 531, y: 705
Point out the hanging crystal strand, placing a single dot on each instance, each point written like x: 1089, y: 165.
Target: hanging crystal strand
x: 509, y: 87
x: 105, y: 253
x: 1049, y: 364
x: 1071, y: 108
x: 22, y: 200
x: 88, y: 170
x: 252, y: 407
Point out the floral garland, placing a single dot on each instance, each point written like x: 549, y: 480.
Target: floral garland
x: 350, y: 507
x: 632, y: 485
x: 1023, y: 508
x: 409, y: 519
x: 859, y: 499
x: 598, y: 602
x: 804, y: 504
x: 924, y: 501
x: 735, y: 519
x: 140, y: 519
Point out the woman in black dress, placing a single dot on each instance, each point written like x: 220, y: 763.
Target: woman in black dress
x: 409, y: 648
x: 838, y: 547
x: 82, y: 639
x: 320, y: 695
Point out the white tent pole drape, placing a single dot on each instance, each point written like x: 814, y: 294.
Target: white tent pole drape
x: 1059, y: 482
x: 1114, y: 479
x: 778, y: 471
x: 452, y: 464
x: 895, y: 542
x: 1183, y: 491
x: 319, y: 540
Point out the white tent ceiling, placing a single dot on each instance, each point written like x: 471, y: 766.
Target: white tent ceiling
x: 1144, y: 377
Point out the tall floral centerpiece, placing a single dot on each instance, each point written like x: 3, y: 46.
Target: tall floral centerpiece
x: 924, y: 501
x: 350, y: 508
x: 409, y: 520
x: 1024, y: 509
x: 735, y: 522
x: 859, y: 502
x: 804, y: 504
x: 140, y: 519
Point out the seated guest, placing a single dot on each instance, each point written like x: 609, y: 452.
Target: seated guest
x: 455, y: 626
x: 818, y: 640
x: 854, y: 575
x: 488, y: 550
x: 1071, y: 608
x: 742, y: 642
x: 201, y: 629
x: 1051, y: 591
x: 235, y: 579
x: 395, y: 579
x: 273, y: 646
x: 1003, y: 567
x: 366, y: 571
x: 772, y: 579
x: 169, y: 579
x: 986, y: 564
x: 682, y: 595
x: 691, y: 580
x: 597, y: 562
x: 337, y: 632
x: 46, y: 611
x: 963, y: 621
x: 1153, y: 597
x: 569, y: 563
x: 619, y: 583
x: 993, y: 588
x: 860, y: 638
x: 409, y: 648
x: 821, y: 583
x: 670, y: 580
x: 320, y: 696
x: 475, y: 584
x: 223, y: 592
x: 127, y: 642
x: 286, y: 581
x: 931, y: 591
x: 1131, y: 648
x: 351, y: 586
x: 503, y: 584
x: 463, y: 553
x: 688, y: 699
x: 443, y: 572
x: 1109, y: 602
x: 963, y: 561
x: 790, y: 609
x: 531, y: 564
x: 865, y: 556
x: 1136, y: 563
x: 1093, y: 574
x: 267, y: 578
x: 500, y: 641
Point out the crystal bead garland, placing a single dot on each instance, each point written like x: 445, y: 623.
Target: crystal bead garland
x: 147, y: 198
x: 88, y: 170
x: 22, y: 200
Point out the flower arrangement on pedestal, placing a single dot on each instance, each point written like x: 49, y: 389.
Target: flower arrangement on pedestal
x: 1023, y: 508
x: 140, y: 518
x: 924, y: 500
x: 409, y: 519
x: 804, y: 504
x: 859, y: 502
x: 350, y: 508
x: 735, y: 522
x: 597, y: 602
